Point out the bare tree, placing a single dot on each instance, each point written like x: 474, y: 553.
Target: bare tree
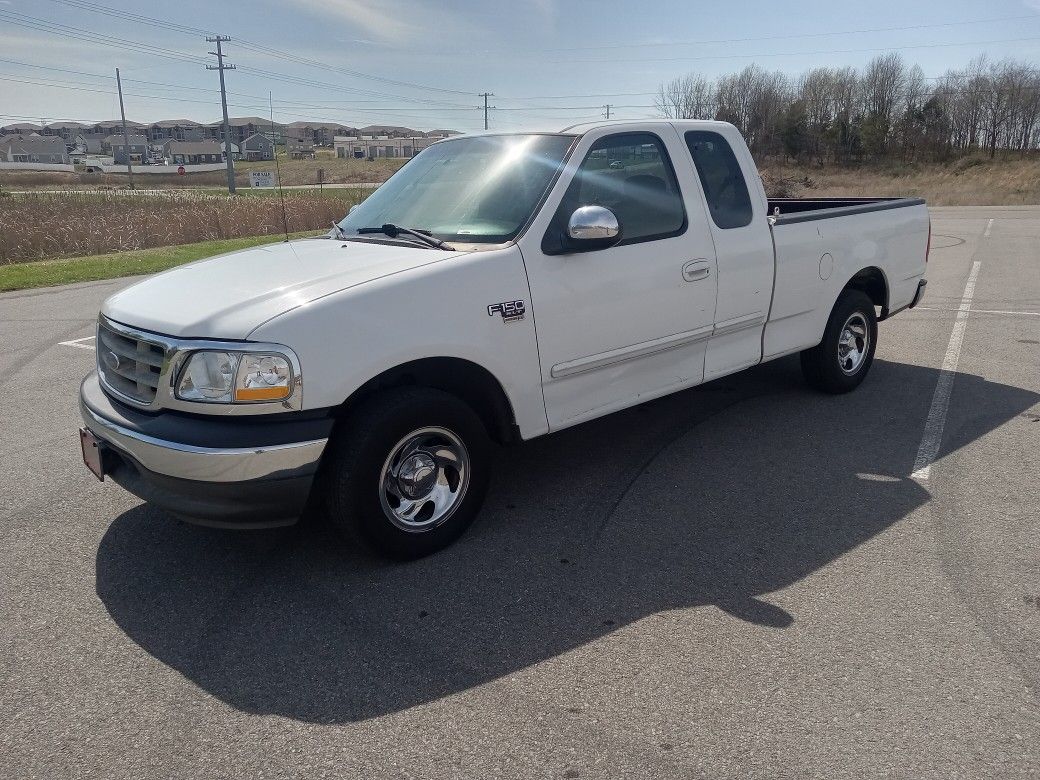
x: 687, y: 97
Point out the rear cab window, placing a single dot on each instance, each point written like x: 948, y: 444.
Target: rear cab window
x: 725, y: 188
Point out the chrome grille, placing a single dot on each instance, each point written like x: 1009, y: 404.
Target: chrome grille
x: 129, y: 365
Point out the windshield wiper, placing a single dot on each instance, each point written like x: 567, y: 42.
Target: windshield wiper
x: 394, y: 231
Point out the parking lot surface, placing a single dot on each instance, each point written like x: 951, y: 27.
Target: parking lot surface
x: 743, y: 580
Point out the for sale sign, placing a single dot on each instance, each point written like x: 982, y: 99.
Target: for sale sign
x: 262, y: 179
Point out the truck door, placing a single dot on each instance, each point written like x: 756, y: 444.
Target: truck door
x: 743, y: 245
x: 619, y: 325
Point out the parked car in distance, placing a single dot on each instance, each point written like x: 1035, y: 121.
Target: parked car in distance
x: 497, y: 288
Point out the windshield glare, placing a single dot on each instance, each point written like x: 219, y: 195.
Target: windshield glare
x: 472, y: 190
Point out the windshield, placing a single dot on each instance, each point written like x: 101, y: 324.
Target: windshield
x: 472, y: 190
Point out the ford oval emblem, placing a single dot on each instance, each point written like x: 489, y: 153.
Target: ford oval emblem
x: 112, y: 360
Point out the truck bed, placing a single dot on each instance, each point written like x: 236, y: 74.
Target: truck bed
x: 788, y: 210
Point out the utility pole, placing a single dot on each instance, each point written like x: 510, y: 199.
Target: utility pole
x: 221, y: 67
x: 607, y: 106
x: 126, y: 133
x: 486, y: 95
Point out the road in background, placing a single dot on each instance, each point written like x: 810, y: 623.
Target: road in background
x: 737, y: 581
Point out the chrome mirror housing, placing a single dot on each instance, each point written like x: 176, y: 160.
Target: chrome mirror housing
x: 593, y: 224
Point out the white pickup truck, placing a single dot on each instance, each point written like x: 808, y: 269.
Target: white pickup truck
x: 497, y: 288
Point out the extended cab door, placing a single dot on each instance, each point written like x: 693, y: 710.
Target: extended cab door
x: 736, y: 205
x: 620, y: 325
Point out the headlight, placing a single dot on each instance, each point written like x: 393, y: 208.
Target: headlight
x: 235, y: 377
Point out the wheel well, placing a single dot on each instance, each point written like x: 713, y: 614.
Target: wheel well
x: 464, y: 379
x: 872, y: 282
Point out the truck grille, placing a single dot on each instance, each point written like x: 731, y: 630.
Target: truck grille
x: 129, y: 365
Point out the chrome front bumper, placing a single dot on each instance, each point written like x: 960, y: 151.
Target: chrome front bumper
x: 172, y: 461
x: 205, y: 464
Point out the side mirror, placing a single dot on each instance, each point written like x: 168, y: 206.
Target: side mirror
x: 592, y: 227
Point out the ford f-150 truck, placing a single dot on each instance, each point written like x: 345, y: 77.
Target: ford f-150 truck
x: 498, y: 287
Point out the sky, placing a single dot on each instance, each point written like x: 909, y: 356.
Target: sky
x: 422, y: 64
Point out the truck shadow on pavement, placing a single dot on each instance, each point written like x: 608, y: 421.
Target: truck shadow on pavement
x: 712, y: 497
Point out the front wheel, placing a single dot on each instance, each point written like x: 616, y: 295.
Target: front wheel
x: 843, y: 357
x: 407, y: 472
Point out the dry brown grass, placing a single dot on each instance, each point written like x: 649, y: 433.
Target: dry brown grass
x: 965, y: 182
x: 44, y: 225
x: 337, y: 171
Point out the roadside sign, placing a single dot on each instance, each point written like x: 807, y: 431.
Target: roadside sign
x: 180, y: 170
x: 261, y: 179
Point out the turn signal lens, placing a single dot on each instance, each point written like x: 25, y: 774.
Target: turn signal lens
x: 263, y: 378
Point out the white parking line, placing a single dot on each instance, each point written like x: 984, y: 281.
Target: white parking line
x: 989, y: 227
x: 933, y: 428
x: 981, y: 311
x: 78, y: 343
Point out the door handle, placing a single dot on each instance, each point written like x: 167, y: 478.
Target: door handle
x: 695, y: 270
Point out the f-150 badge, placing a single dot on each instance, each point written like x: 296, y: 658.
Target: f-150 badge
x: 511, y: 311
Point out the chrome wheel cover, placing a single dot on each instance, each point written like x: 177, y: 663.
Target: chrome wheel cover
x: 424, y: 479
x: 853, y: 344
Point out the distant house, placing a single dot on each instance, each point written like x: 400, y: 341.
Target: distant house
x: 88, y: 143
x: 115, y: 127
x: 236, y: 153
x: 242, y: 127
x: 175, y: 129
x: 20, y: 128
x: 257, y: 147
x: 390, y: 131
x: 372, y: 148
x: 33, y: 149
x: 299, y: 149
x: 67, y: 130
x: 194, y: 152
x: 138, y: 149
x: 318, y: 133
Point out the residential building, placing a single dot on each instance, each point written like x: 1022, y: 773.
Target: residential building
x: 390, y: 131
x: 138, y: 149
x: 66, y: 130
x: 372, y: 148
x: 115, y: 126
x: 175, y: 129
x: 194, y: 152
x: 257, y: 147
x: 88, y: 143
x: 318, y: 133
x: 299, y: 149
x: 20, y: 128
x: 33, y: 149
x: 242, y: 127
x: 236, y: 153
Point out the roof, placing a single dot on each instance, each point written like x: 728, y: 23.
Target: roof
x: 118, y: 122
x: 175, y: 123
x: 323, y: 125
x: 372, y: 129
x: 20, y: 127
x: 65, y: 125
x: 261, y: 136
x: 116, y: 139
x: 194, y: 147
x: 34, y: 144
x: 430, y: 133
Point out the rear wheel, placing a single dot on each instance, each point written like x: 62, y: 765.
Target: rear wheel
x: 407, y: 472
x: 843, y: 357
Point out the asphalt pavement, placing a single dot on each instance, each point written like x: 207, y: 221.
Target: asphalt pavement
x: 742, y: 580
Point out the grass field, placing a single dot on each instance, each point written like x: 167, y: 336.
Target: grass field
x: 46, y: 273
x: 293, y: 172
x: 45, y: 225
x: 970, y: 181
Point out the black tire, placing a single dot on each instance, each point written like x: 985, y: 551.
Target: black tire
x: 350, y: 480
x: 822, y: 365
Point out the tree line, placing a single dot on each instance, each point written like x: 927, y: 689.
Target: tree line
x: 885, y: 111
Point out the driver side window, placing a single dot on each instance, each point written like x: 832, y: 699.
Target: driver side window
x: 631, y: 175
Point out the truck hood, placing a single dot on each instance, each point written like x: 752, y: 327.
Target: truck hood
x: 228, y: 296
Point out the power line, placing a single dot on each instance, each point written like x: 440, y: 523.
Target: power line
x: 257, y: 47
x: 800, y: 53
x: 709, y: 41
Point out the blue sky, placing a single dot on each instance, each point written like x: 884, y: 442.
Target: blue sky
x: 549, y: 62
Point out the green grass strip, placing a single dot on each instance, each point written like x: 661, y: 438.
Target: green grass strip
x: 47, y: 273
